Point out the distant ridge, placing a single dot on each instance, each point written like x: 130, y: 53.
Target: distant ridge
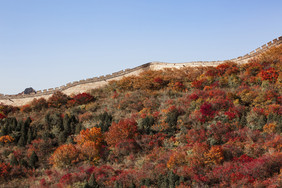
x: 91, y: 83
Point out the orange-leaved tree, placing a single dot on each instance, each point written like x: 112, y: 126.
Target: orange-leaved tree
x: 89, y: 143
x: 64, y: 156
x: 214, y: 155
x: 6, y: 139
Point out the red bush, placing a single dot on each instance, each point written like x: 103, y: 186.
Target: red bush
x: 244, y: 159
x: 198, y: 84
x: 178, y: 85
x: 158, y: 80
x: 193, y: 96
x: 212, y: 72
x: 2, y: 116
x: 196, y: 136
x: 126, y: 147
x: 124, y: 129
x: 4, y: 170
x: 270, y: 74
x: 207, y: 110
x: 104, y: 175
x: 227, y: 68
x: 83, y: 98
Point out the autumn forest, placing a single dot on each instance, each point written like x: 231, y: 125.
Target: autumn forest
x: 190, y: 127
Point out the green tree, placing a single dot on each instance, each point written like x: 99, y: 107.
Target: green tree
x: 92, y: 183
x: 33, y: 160
x: 14, y: 160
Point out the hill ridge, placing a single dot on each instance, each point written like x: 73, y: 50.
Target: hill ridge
x: 86, y: 84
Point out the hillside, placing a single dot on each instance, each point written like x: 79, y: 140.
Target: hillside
x: 202, y: 126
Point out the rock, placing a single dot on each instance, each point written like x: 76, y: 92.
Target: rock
x: 29, y: 91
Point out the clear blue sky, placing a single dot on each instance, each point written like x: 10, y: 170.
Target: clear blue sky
x: 45, y: 44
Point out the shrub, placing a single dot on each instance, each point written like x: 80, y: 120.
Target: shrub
x: 85, y: 116
x: 252, y: 68
x: 145, y: 124
x: 199, y: 84
x: 105, y: 121
x: 269, y: 74
x: 33, y: 160
x: 126, y: 147
x: 227, y: 68
x: 4, y: 171
x: 177, y: 159
x: 39, y: 104
x: 171, y: 119
x: 6, y: 139
x: 90, y: 152
x: 124, y: 129
x: 64, y: 156
x: 26, y: 108
x: 94, y: 135
x: 269, y: 128
x: 207, y: 112
x: 92, y: 182
x: 6, y: 109
x: 214, y: 156
x: 83, y: 98
x: 90, y: 143
x: 42, y: 148
x: 2, y: 116
x: 57, y: 100
x: 206, y: 109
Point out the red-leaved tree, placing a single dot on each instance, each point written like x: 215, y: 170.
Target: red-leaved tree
x: 118, y: 132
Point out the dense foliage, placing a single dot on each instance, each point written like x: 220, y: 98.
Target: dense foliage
x: 190, y: 127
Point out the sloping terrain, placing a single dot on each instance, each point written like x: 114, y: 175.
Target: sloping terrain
x: 204, y: 126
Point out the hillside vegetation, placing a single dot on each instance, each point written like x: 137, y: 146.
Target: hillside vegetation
x: 191, y: 127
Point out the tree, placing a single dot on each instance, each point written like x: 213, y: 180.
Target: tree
x: 62, y: 137
x: 13, y: 160
x: 92, y: 183
x: 171, y: 119
x: 123, y: 130
x: 29, y: 136
x: 57, y: 100
x: 83, y: 98
x: 89, y: 142
x: 33, y: 160
x: 2, y: 116
x: 66, y: 124
x: 39, y: 104
x: 24, y: 132
x: 106, y: 120
x: 64, y: 156
x: 145, y: 124
x: 6, y: 139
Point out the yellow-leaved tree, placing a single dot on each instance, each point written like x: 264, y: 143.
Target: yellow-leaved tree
x: 89, y: 143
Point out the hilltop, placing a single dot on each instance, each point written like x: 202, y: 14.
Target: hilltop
x: 96, y: 82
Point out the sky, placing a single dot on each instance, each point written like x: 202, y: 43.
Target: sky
x: 48, y: 43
